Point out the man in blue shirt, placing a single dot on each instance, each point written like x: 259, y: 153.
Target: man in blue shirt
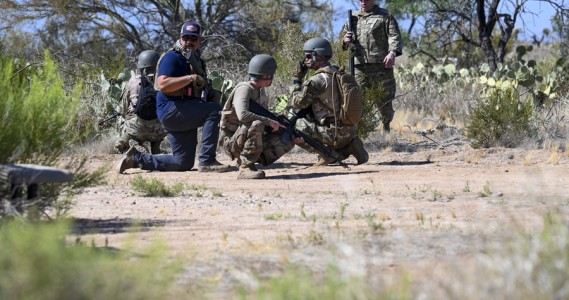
x: 182, y: 106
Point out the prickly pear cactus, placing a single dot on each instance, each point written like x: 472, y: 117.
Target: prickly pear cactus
x: 225, y: 86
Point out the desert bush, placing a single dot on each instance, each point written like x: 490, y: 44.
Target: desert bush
x: 371, y: 117
x: 39, y: 126
x: 37, y: 263
x: 500, y: 119
x: 154, y: 187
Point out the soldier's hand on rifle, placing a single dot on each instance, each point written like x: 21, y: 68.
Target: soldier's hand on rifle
x: 198, y: 80
x: 275, y: 125
x: 347, y: 37
x: 299, y: 71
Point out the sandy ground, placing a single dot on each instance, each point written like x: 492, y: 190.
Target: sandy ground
x: 417, y: 213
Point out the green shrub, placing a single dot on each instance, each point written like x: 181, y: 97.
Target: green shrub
x: 39, y: 126
x: 371, y: 117
x: 154, y: 187
x: 36, y: 263
x: 38, y: 117
x: 500, y: 119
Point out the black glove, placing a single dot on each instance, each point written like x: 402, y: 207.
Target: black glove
x: 299, y: 71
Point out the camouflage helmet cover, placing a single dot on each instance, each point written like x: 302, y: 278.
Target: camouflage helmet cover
x: 319, y: 46
x: 148, y: 59
x: 262, y: 66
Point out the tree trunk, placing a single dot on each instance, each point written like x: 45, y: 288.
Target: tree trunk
x: 485, y: 32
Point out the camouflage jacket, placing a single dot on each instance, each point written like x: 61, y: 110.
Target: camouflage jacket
x: 376, y: 34
x: 130, y: 96
x: 236, y: 110
x: 319, y: 93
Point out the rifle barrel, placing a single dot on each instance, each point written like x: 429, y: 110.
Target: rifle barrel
x: 256, y: 108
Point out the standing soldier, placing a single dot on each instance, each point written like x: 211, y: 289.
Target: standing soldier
x: 243, y: 134
x: 137, y: 128
x: 377, y: 42
x: 318, y: 94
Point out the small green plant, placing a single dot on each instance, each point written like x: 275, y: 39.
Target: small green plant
x: 374, y: 224
x: 302, y: 213
x: 420, y: 217
x: 467, y: 188
x: 274, y: 217
x: 154, y: 187
x: 343, y: 207
x: 413, y: 194
x: 486, y: 190
x: 436, y: 195
x: 315, y: 237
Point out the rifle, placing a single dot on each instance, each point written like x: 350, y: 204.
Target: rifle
x: 103, y: 121
x: 291, y: 130
x: 351, y: 48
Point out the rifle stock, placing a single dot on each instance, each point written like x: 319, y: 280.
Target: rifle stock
x: 351, y: 47
x: 291, y: 130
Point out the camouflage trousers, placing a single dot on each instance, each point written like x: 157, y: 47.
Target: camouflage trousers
x: 331, y: 136
x: 377, y: 77
x: 251, y: 144
x: 140, y: 131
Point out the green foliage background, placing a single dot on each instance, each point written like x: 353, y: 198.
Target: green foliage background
x: 39, y: 118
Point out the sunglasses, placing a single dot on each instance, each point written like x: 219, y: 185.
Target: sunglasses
x: 191, y: 38
x: 309, y: 55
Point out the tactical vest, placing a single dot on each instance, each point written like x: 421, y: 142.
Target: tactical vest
x: 197, y: 66
x: 229, y: 120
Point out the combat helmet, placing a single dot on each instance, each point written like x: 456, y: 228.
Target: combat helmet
x: 319, y: 46
x: 262, y: 67
x: 148, y: 59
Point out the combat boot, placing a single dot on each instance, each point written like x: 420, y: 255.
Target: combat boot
x: 250, y: 173
x: 356, y: 148
x: 323, y: 161
x: 214, y: 167
x: 129, y: 161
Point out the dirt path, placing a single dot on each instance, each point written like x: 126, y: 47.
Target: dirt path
x: 401, y: 212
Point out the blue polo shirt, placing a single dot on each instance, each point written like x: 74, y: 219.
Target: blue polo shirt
x: 172, y: 64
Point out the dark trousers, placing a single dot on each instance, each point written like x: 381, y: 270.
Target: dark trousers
x: 182, y: 121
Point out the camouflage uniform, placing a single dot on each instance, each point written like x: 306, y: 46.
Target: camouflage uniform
x: 376, y: 34
x: 326, y: 128
x: 243, y: 134
x: 136, y: 130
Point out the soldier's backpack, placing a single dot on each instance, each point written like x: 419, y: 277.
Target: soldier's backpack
x: 146, y: 104
x: 351, y: 96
